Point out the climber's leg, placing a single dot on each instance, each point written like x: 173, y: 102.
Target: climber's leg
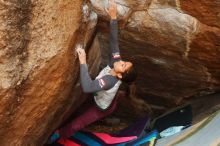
x: 91, y: 115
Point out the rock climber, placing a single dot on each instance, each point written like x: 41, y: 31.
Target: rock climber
x: 106, y: 84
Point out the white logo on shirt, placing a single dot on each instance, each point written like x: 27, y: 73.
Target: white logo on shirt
x: 101, y: 83
x: 116, y: 56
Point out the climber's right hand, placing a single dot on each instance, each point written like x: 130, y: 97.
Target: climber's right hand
x: 81, y: 53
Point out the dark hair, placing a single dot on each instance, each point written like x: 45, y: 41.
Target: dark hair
x: 130, y: 75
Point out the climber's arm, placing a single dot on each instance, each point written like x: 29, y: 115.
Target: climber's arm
x: 89, y: 85
x: 113, y: 38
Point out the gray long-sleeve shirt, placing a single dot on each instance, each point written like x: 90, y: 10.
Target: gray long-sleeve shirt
x: 106, y: 82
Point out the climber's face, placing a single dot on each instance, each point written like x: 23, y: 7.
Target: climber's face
x: 122, y: 66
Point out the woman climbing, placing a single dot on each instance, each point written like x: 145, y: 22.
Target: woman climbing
x: 106, y: 84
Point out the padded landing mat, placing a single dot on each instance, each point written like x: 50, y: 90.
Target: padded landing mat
x: 96, y: 139
x: 134, y: 133
x: 147, y: 139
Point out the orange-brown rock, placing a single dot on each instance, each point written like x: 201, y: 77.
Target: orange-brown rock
x: 174, y: 44
x: 38, y: 66
x: 207, y: 12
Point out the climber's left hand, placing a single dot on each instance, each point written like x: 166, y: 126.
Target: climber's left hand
x: 81, y: 53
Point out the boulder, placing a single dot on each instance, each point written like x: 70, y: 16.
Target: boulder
x: 173, y: 44
x: 39, y: 67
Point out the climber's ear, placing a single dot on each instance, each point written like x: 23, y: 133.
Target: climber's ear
x: 119, y: 75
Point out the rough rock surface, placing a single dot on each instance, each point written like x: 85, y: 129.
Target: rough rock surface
x: 174, y: 44
x: 38, y: 66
